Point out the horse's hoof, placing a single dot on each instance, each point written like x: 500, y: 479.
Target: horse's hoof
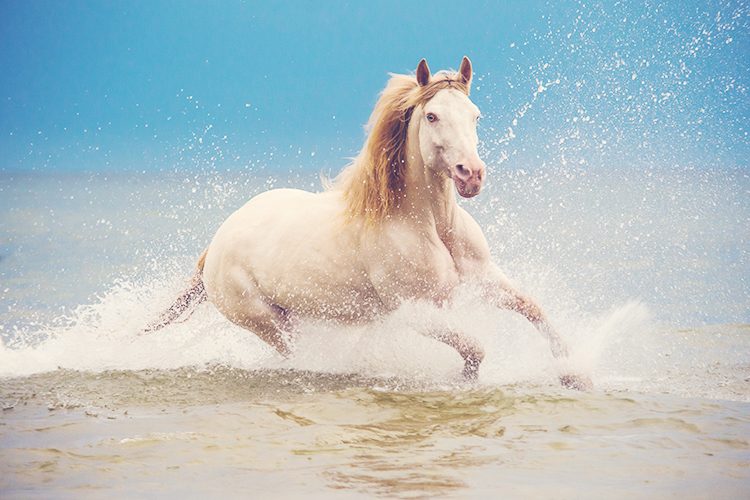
x: 577, y: 382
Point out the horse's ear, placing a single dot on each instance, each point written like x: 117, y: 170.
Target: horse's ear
x: 465, y: 71
x: 423, y: 73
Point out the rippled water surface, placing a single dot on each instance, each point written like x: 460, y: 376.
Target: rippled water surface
x: 299, y: 433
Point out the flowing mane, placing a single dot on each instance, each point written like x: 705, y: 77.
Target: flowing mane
x: 371, y: 183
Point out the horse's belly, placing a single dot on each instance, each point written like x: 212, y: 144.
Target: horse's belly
x: 328, y: 301
x: 416, y: 284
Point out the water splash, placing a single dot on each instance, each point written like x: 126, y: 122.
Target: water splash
x: 654, y: 86
x: 107, y: 335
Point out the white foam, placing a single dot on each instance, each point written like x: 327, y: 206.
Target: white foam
x: 107, y: 335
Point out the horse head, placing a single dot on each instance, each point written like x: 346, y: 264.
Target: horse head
x: 447, y: 121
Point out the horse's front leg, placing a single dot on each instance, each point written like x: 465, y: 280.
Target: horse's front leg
x: 501, y: 293
x: 510, y: 299
x: 469, y: 349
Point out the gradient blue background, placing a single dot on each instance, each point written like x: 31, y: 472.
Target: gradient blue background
x: 214, y: 85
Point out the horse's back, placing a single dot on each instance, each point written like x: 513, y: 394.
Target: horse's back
x: 269, y: 226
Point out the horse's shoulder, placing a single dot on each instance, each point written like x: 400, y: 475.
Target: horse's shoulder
x: 470, y: 242
x: 470, y: 229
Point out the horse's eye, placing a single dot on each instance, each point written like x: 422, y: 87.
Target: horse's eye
x: 478, y: 117
x: 432, y: 117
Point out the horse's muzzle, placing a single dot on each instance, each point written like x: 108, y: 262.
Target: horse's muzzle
x: 468, y: 177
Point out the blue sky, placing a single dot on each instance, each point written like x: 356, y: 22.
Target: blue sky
x: 159, y: 85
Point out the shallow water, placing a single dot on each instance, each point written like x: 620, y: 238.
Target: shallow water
x: 293, y: 433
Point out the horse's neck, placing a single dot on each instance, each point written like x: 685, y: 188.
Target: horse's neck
x: 428, y: 198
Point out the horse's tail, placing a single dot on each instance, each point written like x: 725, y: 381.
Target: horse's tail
x: 193, y: 295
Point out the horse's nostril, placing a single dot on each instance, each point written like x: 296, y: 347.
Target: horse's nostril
x: 462, y: 171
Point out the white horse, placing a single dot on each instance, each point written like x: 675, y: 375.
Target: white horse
x: 387, y: 230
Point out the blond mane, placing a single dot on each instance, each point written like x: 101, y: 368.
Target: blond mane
x: 372, y: 182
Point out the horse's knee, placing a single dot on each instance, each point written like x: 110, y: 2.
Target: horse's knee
x: 471, y: 363
x: 473, y: 355
x: 471, y: 349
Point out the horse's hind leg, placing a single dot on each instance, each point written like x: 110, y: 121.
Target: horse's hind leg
x: 268, y: 321
x: 271, y: 325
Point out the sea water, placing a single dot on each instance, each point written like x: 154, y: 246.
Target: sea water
x: 643, y: 272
